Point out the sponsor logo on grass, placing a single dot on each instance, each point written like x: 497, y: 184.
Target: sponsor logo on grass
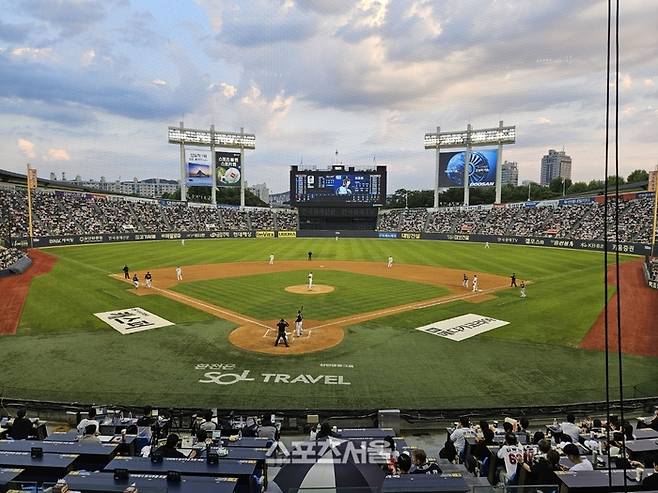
x: 229, y: 375
x: 131, y: 320
x: 463, y: 327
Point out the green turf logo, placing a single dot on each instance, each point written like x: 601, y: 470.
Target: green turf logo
x: 463, y: 327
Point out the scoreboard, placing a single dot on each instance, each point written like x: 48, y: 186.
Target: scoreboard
x: 338, y: 185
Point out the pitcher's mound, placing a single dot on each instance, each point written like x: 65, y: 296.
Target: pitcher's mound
x: 303, y: 289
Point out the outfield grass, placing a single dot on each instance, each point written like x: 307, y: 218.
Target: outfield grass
x: 63, y: 352
x: 263, y: 296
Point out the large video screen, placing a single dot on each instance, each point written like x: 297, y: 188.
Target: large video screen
x: 338, y: 186
x: 481, y: 168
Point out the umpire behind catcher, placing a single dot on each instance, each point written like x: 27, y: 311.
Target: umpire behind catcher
x: 282, y: 332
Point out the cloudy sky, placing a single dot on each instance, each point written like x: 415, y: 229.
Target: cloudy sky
x: 89, y: 87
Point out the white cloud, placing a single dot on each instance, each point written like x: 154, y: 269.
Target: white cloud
x: 87, y: 57
x: 54, y: 154
x: 542, y: 120
x: 648, y: 83
x: 27, y: 148
x: 159, y: 82
x: 626, y: 81
x: 33, y: 53
x: 228, y: 90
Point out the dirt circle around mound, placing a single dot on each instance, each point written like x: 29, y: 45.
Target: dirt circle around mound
x: 259, y: 339
x: 316, y: 289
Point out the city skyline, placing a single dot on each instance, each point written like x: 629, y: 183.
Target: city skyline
x: 91, y: 87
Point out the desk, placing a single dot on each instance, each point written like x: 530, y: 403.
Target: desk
x: 91, y: 455
x: 248, y: 442
x: 242, y: 469
x: 641, y: 448
x: 126, y: 443
x: 424, y: 483
x: 366, y: 433
x: 7, y: 476
x: 646, y: 434
x: 590, y: 481
x: 148, y: 483
x: 50, y: 467
x: 114, y: 426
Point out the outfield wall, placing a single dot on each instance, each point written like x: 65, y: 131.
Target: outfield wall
x: 597, y: 245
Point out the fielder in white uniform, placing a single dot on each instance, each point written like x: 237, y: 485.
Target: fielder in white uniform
x: 475, y: 284
x: 182, y: 241
x: 136, y: 281
x: 522, y: 289
x: 310, y: 280
x: 390, y: 262
x: 179, y: 274
x: 486, y: 245
x: 298, y: 324
x: 271, y: 259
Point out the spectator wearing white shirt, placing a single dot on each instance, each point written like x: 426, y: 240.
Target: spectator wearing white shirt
x: 579, y: 463
x: 89, y: 420
x: 569, y: 427
x: 208, y: 424
x: 512, y: 455
x: 458, y: 436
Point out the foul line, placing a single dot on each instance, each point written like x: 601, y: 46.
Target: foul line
x: 406, y: 308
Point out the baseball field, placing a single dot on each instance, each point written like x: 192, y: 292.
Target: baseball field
x: 359, y: 349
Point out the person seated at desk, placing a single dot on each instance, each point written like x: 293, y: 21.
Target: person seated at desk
x: 326, y: 432
x: 543, y: 467
x: 421, y: 466
x: 89, y: 435
x: 569, y: 427
x: 169, y: 448
x: 267, y: 429
x: 651, y: 481
x: 89, y: 420
x: 22, y: 428
x: 403, y: 463
x: 538, y: 437
x: 144, y: 424
x: 512, y: 455
x: 580, y: 463
x: 458, y: 436
x: 208, y: 424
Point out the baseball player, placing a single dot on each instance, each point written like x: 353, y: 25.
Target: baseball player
x: 281, y: 334
x: 271, y: 259
x: 390, y: 261
x: 465, y: 281
x: 135, y: 281
x: 179, y: 273
x: 125, y: 272
x: 522, y: 289
x: 486, y: 244
x: 310, y: 280
x: 475, y: 283
x: 513, y: 278
x: 298, y: 324
x: 148, y: 278
x: 182, y: 241
x: 310, y: 255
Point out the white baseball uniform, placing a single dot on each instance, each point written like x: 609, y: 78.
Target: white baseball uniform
x: 179, y: 274
x: 310, y: 280
x: 486, y: 245
x: 475, y: 284
x: 136, y: 283
x: 298, y: 325
x: 390, y: 262
x: 271, y: 259
x: 148, y: 282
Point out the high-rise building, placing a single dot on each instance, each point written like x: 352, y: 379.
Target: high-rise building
x: 553, y: 165
x: 261, y: 191
x: 653, y: 181
x: 510, y: 173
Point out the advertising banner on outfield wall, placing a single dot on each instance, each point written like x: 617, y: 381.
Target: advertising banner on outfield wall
x: 199, y: 164
x: 45, y: 241
x: 481, y: 168
x: 228, y: 168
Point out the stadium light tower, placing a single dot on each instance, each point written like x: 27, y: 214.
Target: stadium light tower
x: 467, y: 139
x: 212, y: 139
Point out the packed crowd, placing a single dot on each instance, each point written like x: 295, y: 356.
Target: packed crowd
x: 73, y: 214
x: 574, y: 221
x: 8, y: 256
